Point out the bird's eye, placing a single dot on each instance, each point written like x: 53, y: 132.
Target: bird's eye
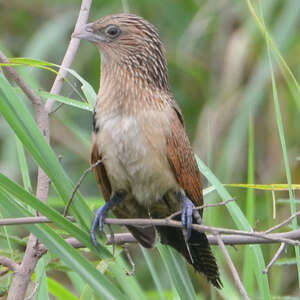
x: 113, y: 31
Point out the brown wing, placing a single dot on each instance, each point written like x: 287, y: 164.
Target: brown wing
x: 100, y: 173
x: 145, y: 236
x: 182, y: 160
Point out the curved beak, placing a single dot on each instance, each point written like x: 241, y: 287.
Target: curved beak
x: 87, y: 33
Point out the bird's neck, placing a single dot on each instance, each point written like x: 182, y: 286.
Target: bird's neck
x: 126, y: 89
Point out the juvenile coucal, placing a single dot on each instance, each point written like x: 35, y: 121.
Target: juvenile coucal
x: 147, y: 169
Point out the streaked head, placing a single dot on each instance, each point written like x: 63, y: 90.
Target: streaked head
x: 129, y: 39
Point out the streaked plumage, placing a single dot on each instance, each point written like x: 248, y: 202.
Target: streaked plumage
x: 138, y: 132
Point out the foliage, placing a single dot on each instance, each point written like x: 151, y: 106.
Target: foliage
x: 234, y: 70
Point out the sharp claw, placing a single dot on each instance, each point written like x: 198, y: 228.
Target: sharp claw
x: 93, y: 232
x: 101, y: 223
x: 98, y: 220
x: 94, y: 239
x: 102, y: 213
x: 197, y: 217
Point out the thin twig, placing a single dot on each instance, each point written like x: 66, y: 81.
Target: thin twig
x: 9, y: 263
x: 276, y: 256
x: 79, y: 183
x: 233, y: 270
x: 128, y: 238
x: 231, y: 236
x: 28, y: 220
x: 172, y: 216
x: 13, y: 74
x: 200, y: 228
x: 285, y: 222
x: 132, y: 264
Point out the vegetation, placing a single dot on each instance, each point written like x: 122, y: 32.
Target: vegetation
x: 234, y: 69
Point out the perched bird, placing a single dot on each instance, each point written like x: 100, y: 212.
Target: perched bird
x: 147, y: 168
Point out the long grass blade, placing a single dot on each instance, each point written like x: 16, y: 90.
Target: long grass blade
x: 242, y: 223
x: 284, y: 153
x: 101, y: 285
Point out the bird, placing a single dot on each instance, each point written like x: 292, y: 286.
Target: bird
x: 146, y: 165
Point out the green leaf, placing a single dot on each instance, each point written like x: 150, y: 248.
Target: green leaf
x: 65, y: 100
x: 101, y: 285
x: 129, y: 284
x: 20, y: 120
x: 154, y: 274
x: 76, y: 281
x: 41, y: 280
x: 243, y: 224
x: 59, y: 291
x: 284, y: 152
x: 87, y: 294
x: 75, y: 231
x: 249, y: 260
x: 266, y: 187
x: 87, y: 89
x: 177, y: 272
x: 23, y: 165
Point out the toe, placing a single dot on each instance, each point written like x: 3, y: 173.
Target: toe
x: 101, y: 223
x: 93, y: 231
x: 197, y: 217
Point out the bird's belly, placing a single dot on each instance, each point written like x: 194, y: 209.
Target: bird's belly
x: 134, y: 155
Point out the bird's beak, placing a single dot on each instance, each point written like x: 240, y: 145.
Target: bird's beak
x: 87, y: 33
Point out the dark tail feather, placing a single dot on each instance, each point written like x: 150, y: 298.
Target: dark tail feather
x: 203, y: 259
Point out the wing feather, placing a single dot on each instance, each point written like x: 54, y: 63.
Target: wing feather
x: 182, y: 160
x: 100, y: 173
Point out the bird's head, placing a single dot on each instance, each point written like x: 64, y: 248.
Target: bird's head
x: 129, y: 39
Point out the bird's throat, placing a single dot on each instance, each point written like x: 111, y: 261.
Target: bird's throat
x: 125, y: 87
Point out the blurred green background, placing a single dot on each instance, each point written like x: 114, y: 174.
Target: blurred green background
x: 220, y: 75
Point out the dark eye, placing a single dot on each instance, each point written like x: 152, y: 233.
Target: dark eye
x: 113, y: 31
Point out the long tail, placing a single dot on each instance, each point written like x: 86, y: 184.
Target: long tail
x: 203, y: 259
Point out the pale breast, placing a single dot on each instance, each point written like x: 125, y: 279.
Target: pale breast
x: 134, y: 153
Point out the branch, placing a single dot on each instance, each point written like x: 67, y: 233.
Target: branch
x: 11, y: 73
x: 27, y: 220
x: 70, y: 53
x: 33, y: 252
x: 23, y: 274
x: 285, y: 222
x: 131, y: 262
x: 229, y: 237
x: 9, y: 263
x: 233, y: 270
x: 79, y: 183
x: 276, y: 256
x: 200, y: 228
x: 223, y: 203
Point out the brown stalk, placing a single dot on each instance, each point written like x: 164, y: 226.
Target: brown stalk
x: 232, y: 268
x: 229, y: 236
x: 276, y: 256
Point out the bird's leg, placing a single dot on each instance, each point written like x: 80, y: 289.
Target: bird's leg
x: 187, y: 213
x: 102, y: 212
